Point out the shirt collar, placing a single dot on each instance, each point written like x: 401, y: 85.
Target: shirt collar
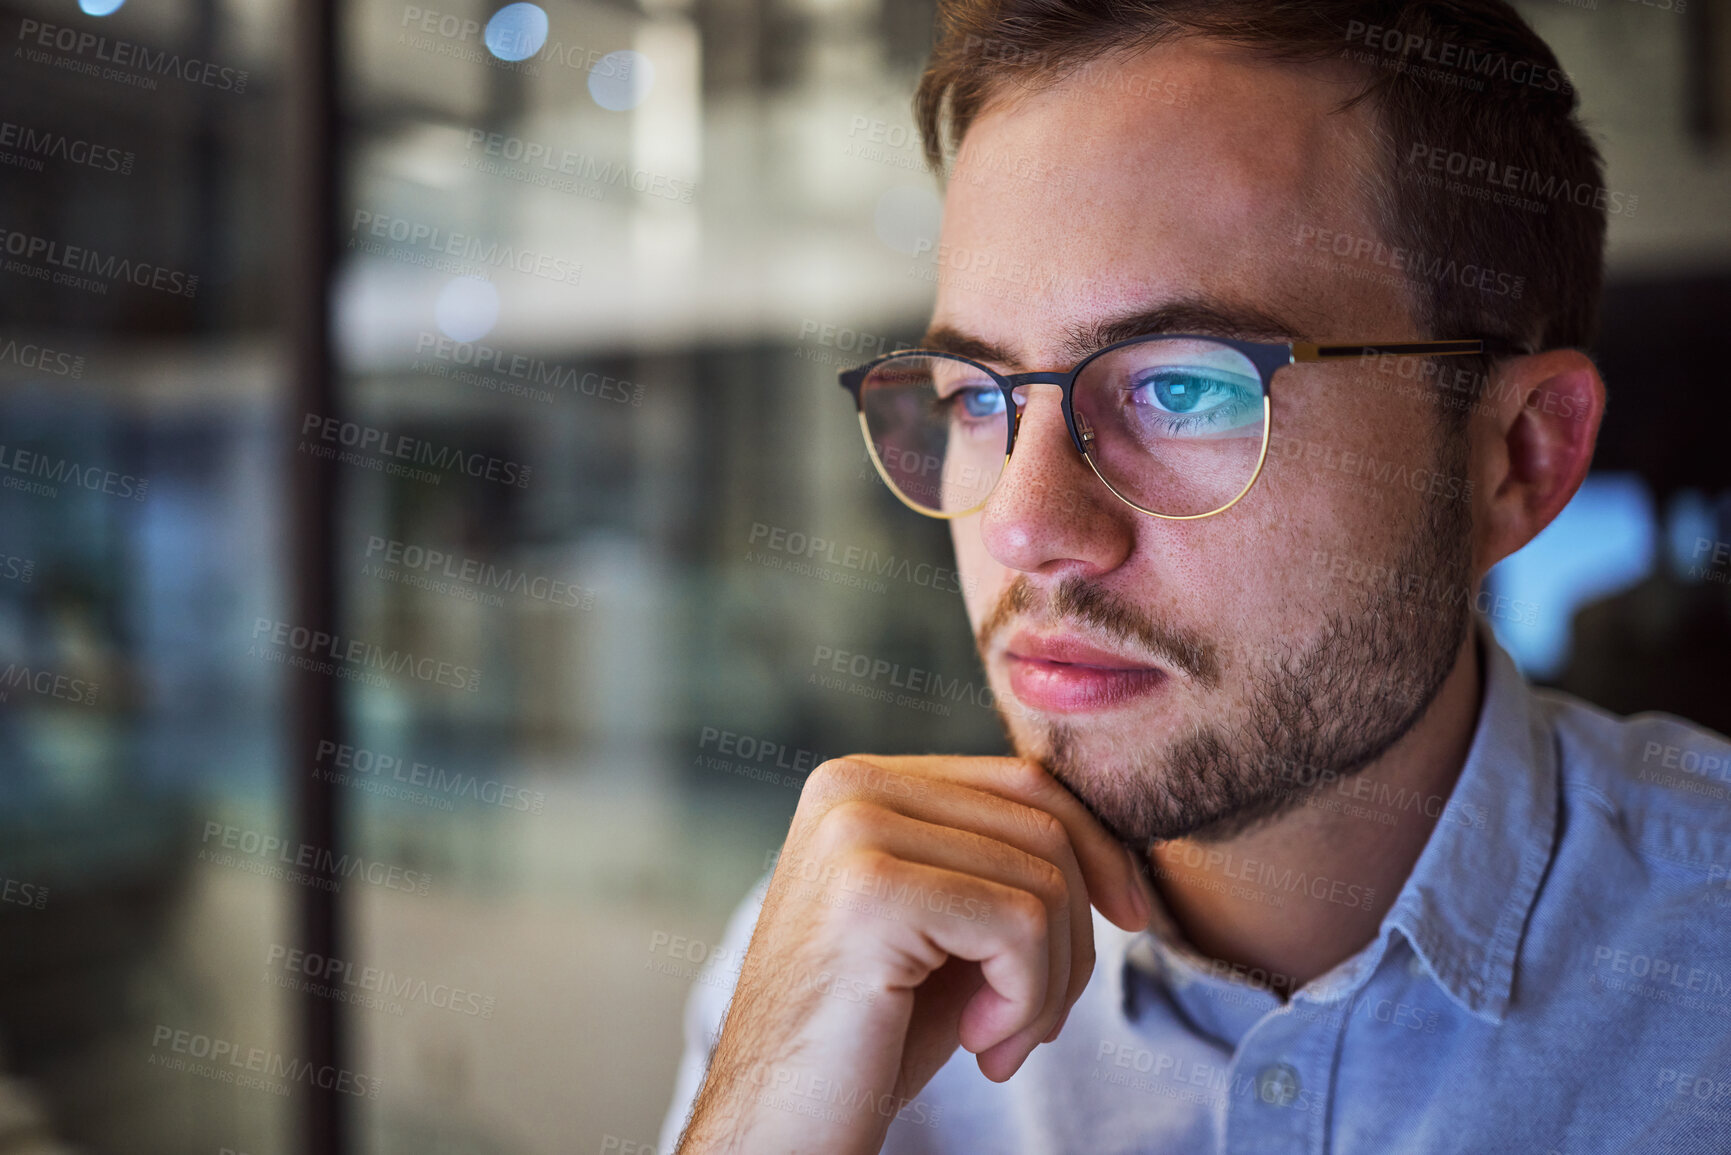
x: 1498, y: 827
x: 1465, y: 906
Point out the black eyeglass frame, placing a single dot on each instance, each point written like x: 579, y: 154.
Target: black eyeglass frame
x: 1267, y: 356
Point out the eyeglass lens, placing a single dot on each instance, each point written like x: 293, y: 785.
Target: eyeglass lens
x: 1174, y: 426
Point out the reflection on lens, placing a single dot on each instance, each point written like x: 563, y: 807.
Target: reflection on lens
x: 938, y: 428
x: 1176, y: 427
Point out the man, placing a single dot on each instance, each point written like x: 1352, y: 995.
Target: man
x: 1291, y: 859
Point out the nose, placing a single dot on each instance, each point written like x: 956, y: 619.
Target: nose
x: 1048, y: 513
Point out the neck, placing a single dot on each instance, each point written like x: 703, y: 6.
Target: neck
x: 1296, y: 896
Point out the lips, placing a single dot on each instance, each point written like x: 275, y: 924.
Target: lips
x: 1063, y: 674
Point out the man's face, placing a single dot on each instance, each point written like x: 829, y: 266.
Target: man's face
x: 1185, y: 678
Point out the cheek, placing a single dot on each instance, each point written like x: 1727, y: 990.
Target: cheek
x: 1344, y: 479
x: 984, y: 579
x: 1338, y: 536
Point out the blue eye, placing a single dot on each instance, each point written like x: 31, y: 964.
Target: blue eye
x: 1190, y: 391
x: 980, y: 401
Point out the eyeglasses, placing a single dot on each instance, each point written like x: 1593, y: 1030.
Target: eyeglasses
x: 1175, y: 425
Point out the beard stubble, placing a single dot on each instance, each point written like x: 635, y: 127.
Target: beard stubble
x: 1312, y: 717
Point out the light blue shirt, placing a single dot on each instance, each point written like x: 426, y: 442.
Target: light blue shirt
x: 1554, y: 976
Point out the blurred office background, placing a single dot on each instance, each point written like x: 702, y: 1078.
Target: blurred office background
x: 709, y: 206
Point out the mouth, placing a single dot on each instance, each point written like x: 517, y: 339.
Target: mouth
x: 1062, y: 674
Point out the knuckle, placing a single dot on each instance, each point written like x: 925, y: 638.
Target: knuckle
x: 1054, y: 888
x: 1025, y: 917
x: 850, y: 822
x: 1025, y: 777
x: 870, y: 863
x: 1047, y: 831
x: 829, y: 780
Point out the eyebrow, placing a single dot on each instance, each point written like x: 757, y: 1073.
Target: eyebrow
x: 1199, y: 315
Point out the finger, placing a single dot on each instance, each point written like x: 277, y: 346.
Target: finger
x: 909, y: 941
x: 1114, y: 883
x: 945, y: 802
x: 864, y: 824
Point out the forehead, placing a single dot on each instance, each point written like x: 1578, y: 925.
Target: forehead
x: 1187, y: 171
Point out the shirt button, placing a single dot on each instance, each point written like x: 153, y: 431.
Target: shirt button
x: 1277, y: 1084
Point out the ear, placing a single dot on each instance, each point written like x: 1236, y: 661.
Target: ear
x: 1533, y: 434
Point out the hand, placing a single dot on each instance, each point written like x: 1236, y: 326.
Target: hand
x: 919, y: 904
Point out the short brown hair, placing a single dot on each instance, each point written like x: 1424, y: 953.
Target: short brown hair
x: 1467, y: 80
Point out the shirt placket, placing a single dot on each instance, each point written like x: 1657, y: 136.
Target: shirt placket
x: 1281, y: 1083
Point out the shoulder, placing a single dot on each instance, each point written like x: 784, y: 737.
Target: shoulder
x: 1632, y: 753
x: 1624, y: 965
x: 1659, y: 785
x: 1642, y: 863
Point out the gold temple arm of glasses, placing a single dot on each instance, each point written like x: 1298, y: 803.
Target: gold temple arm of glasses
x: 1311, y: 351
